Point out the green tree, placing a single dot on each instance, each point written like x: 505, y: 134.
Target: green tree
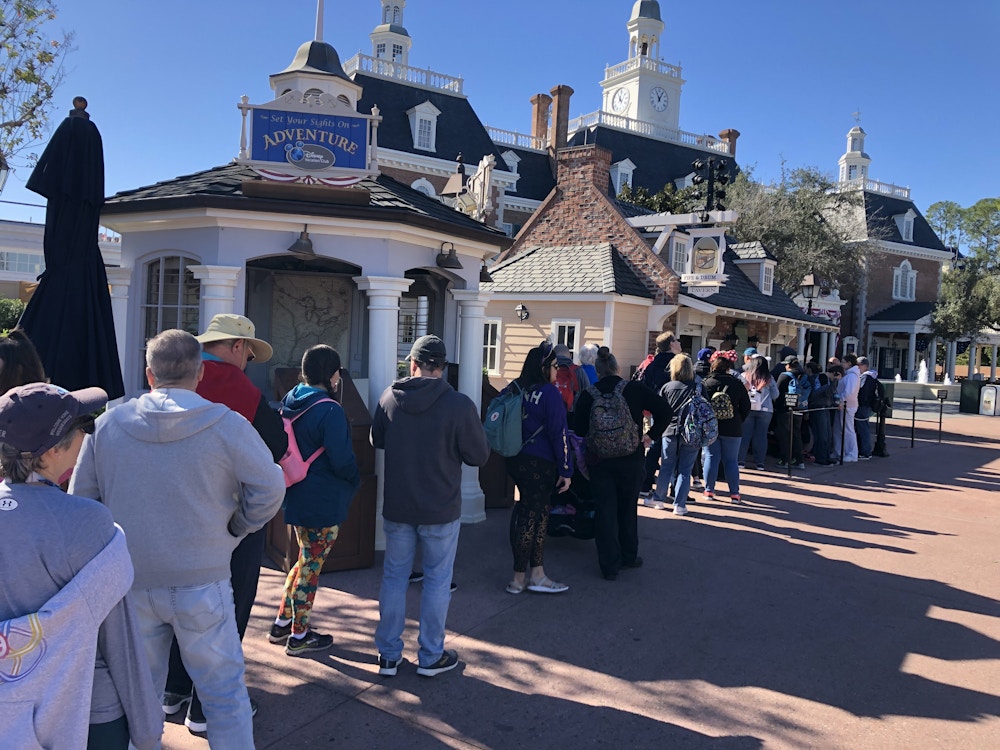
x: 10, y: 313
x: 968, y: 301
x: 982, y: 227
x: 31, y: 68
x: 807, y: 224
x: 668, y: 200
x: 947, y: 219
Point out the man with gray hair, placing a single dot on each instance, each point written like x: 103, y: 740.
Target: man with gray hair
x: 186, y: 479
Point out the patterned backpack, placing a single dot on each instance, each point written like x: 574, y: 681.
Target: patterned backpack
x: 612, y: 432
x: 722, y: 405
x: 699, y: 426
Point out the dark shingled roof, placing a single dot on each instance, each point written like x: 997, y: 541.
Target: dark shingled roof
x: 573, y: 269
x: 630, y: 210
x: 750, y: 250
x: 222, y: 187
x: 459, y: 130
x: 908, y: 311
x: 535, y: 178
x: 740, y: 293
x: 656, y: 162
x: 881, y: 208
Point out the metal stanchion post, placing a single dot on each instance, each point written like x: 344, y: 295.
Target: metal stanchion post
x: 842, y: 413
x: 913, y: 422
x: 942, y: 395
x: 791, y: 440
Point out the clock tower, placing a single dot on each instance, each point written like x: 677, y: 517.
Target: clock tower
x: 644, y: 87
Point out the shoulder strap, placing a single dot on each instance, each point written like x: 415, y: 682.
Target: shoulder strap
x: 318, y: 401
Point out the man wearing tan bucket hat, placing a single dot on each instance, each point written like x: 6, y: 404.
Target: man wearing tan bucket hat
x: 228, y: 345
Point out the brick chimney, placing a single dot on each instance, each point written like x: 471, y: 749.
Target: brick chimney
x: 584, y: 167
x: 540, y: 104
x: 560, y: 116
x: 730, y: 135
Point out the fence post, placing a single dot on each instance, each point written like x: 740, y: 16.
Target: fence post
x: 913, y: 422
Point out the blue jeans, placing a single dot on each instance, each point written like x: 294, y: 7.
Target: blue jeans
x: 438, y: 544
x: 863, y: 429
x: 676, y: 455
x: 725, y: 451
x: 755, y: 431
x: 203, y: 619
x: 819, y: 424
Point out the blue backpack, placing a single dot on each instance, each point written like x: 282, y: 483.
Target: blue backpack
x: 503, y: 421
x: 699, y: 427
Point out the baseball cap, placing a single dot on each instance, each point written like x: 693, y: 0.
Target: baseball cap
x: 789, y: 359
x: 429, y: 350
x: 704, y: 354
x: 34, y: 417
x: 561, y: 352
x: 750, y: 352
x: 230, y: 326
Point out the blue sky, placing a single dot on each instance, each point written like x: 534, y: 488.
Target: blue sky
x: 163, y: 78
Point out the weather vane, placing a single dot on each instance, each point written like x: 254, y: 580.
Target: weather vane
x: 857, y: 116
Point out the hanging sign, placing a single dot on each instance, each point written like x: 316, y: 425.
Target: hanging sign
x: 307, y: 141
x: 706, y: 264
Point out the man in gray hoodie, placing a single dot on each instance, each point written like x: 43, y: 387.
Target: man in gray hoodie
x: 186, y: 479
x: 428, y: 430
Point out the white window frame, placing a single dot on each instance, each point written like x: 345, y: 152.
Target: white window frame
x: 492, y: 349
x: 679, y: 256
x: 425, y: 186
x: 621, y: 174
x: 424, y: 111
x: 767, y: 278
x: 397, y: 52
x: 146, y: 308
x: 904, y: 222
x: 904, y: 282
x: 425, y: 133
x: 560, y: 325
x: 380, y: 50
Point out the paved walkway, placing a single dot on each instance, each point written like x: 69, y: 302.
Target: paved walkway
x: 852, y: 607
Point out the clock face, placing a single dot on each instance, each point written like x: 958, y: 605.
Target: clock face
x: 658, y: 98
x: 620, y: 101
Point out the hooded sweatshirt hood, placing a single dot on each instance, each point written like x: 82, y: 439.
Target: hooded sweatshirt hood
x: 169, y: 414
x: 301, y: 397
x: 416, y: 395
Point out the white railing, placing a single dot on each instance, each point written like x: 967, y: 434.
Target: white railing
x: 875, y: 186
x: 397, y: 71
x: 517, y: 140
x: 708, y: 142
x: 642, y: 63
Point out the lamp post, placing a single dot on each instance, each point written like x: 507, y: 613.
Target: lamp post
x: 810, y: 288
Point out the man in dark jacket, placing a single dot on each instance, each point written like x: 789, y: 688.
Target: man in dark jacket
x: 783, y: 355
x: 427, y: 430
x: 655, y: 376
x: 228, y: 345
x: 789, y: 434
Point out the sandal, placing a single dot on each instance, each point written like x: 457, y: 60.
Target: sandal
x: 515, y: 588
x: 547, y: 586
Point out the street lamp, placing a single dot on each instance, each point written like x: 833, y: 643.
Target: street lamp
x: 810, y: 288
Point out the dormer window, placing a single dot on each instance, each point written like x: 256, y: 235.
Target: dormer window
x: 767, y: 277
x: 905, y: 224
x: 679, y: 255
x: 423, y: 126
x: 904, y: 282
x: 621, y: 174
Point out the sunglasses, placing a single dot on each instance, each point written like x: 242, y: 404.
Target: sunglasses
x: 250, y: 354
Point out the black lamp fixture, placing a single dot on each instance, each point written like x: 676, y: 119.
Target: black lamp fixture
x: 810, y: 288
x: 303, y: 245
x: 449, y: 259
x: 521, y: 311
x: 484, y: 275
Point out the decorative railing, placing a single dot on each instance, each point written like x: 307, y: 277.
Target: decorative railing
x: 642, y: 63
x: 875, y: 186
x: 397, y: 71
x: 650, y: 129
x: 517, y: 140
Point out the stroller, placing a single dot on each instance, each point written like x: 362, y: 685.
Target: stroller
x: 572, y: 511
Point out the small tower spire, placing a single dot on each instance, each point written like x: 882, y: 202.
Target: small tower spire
x: 319, y: 20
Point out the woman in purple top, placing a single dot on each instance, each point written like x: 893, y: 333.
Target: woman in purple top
x: 542, y: 465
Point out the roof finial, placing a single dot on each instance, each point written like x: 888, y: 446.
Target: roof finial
x: 857, y: 116
x: 319, y: 20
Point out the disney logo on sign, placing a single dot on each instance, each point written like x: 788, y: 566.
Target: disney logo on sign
x: 309, y: 156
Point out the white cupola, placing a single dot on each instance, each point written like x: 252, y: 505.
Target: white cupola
x: 645, y: 28
x: 854, y: 163
x: 390, y: 41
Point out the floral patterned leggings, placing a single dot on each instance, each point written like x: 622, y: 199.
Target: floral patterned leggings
x: 303, y: 578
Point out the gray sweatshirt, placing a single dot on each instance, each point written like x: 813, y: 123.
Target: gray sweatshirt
x: 175, y: 470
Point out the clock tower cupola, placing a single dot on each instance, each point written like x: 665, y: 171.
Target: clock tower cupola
x: 855, y: 162
x: 644, y: 87
x: 390, y: 41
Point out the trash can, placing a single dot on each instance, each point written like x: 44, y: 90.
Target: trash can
x: 968, y: 399
x: 988, y: 401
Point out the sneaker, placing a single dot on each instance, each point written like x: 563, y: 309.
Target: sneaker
x: 709, y: 494
x: 195, y: 719
x: 416, y: 576
x: 735, y: 500
x: 173, y: 702
x: 645, y: 494
x: 742, y: 464
x: 781, y: 462
x: 680, y: 510
x: 279, y: 633
x: 447, y: 662
x: 865, y: 458
x: 760, y: 467
x: 311, y: 641
x: 388, y: 667
x: 799, y: 465
x: 652, y: 502
x: 696, y: 482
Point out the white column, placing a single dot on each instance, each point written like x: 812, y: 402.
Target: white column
x: 422, y: 315
x: 120, y: 279
x: 472, y: 314
x: 911, y: 356
x: 993, y: 364
x: 932, y: 360
x: 383, y: 332
x: 801, y: 343
x: 218, y: 290
x: 950, y: 358
x: 824, y: 347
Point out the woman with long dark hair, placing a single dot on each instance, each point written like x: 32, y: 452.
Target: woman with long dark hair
x: 19, y: 361
x: 316, y: 506
x: 762, y: 391
x: 726, y: 449
x: 543, y: 465
x: 615, y: 475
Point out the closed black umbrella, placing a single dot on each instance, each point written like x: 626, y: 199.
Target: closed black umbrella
x: 69, y: 316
